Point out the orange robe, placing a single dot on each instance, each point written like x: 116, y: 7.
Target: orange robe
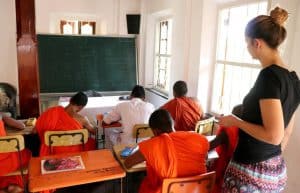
x: 177, y: 154
x: 56, y: 119
x: 9, y: 162
x: 225, y: 152
x: 185, y: 111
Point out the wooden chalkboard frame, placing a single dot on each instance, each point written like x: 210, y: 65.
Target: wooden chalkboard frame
x: 72, y: 63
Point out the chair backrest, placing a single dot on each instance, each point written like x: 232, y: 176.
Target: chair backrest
x: 13, y: 143
x: 142, y: 131
x: 203, y: 183
x: 66, y: 138
x: 205, y: 126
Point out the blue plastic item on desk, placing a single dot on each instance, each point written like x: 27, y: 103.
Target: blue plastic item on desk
x: 127, y: 151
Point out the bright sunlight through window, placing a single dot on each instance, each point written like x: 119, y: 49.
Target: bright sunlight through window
x: 235, y: 71
x: 163, y: 55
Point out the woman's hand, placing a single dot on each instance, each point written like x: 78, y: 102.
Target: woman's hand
x: 228, y: 120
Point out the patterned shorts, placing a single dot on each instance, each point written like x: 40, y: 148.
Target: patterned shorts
x: 263, y: 177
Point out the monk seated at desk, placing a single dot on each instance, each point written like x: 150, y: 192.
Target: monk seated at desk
x: 185, y: 111
x: 63, y: 119
x: 10, y: 163
x: 169, y: 154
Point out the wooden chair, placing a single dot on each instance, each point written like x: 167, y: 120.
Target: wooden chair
x: 203, y: 183
x: 10, y: 144
x: 66, y: 138
x: 205, y: 126
x: 142, y: 131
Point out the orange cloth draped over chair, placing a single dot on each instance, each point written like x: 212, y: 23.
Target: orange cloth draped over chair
x: 10, y: 163
x: 185, y: 111
x: 177, y: 154
x: 225, y: 152
x: 56, y: 119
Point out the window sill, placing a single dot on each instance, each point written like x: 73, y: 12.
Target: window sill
x: 158, y: 92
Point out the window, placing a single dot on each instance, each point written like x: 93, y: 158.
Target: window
x: 77, y: 27
x: 235, y: 70
x: 163, y: 55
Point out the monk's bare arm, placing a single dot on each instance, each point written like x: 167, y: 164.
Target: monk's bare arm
x: 134, y: 159
x: 86, y: 123
x: 11, y: 122
x: 89, y: 126
x: 220, y: 139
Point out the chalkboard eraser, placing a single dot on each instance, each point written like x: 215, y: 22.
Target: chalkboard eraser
x: 121, y: 98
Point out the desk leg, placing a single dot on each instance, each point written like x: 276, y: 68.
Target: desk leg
x: 122, y: 184
x: 103, y: 138
x: 126, y: 183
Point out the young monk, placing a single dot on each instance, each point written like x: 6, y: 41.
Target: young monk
x: 185, y: 111
x: 10, y: 161
x: 169, y: 154
x: 63, y: 119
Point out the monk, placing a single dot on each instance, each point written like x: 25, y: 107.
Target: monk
x: 185, y: 111
x: 10, y: 162
x: 169, y: 154
x: 63, y: 119
x: 225, y: 144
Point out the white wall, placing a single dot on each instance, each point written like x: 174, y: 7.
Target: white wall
x: 155, y: 99
x: 110, y: 15
x: 8, y: 49
x: 192, y: 51
x: 152, y: 12
x: 291, y: 155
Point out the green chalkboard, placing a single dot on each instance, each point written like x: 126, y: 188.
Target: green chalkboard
x: 80, y: 63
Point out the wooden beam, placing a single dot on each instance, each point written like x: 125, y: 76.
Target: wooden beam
x: 28, y: 73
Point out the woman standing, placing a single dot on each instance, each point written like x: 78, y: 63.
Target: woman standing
x: 268, y: 112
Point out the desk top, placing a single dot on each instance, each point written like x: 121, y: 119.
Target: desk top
x: 100, y: 165
x: 117, y: 151
x: 14, y: 131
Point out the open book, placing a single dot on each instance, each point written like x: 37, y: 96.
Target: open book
x: 61, y: 164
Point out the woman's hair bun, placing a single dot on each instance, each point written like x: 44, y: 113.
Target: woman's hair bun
x: 279, y: 15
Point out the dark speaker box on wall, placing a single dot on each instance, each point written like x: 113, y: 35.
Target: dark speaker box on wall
x: 133, y: 23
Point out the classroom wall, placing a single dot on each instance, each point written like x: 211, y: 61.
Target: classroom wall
x: 291, y: 155
x: 191, y: 60
x: 8, y: 49
x: 110, y: 15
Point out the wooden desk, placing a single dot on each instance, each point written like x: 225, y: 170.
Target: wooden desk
x: 117, y: 151
x: 13, y: 131
x: 100, y: 165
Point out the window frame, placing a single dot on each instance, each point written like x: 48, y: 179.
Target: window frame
x: 79, y: 24
x: 157, y: 54
x: 229, y: 63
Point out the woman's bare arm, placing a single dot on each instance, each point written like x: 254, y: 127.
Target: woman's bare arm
x: 272, y: 129
x: 287, y: 133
